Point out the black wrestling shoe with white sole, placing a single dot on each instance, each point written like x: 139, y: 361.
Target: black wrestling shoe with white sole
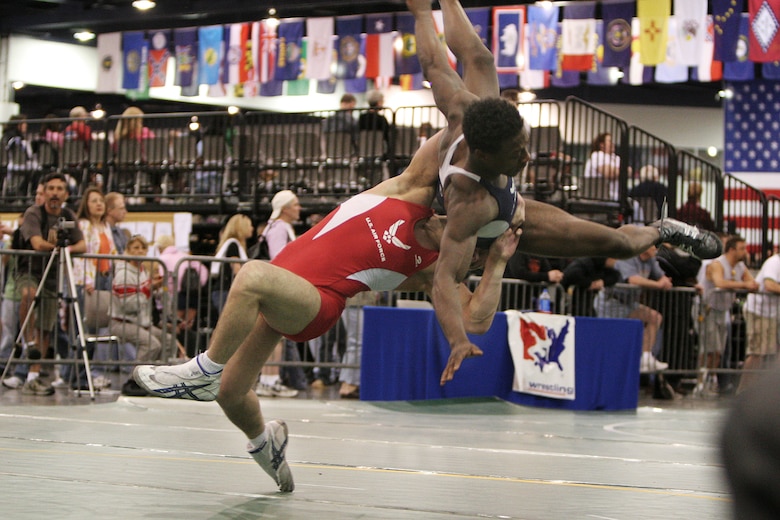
x: 698, y: 242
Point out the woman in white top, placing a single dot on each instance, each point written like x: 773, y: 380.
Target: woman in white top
x: 279, y: 232
x: 604, y: 163
x: 92, y: 273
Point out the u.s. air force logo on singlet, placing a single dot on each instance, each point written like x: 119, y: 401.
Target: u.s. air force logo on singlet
x: 390, y: 235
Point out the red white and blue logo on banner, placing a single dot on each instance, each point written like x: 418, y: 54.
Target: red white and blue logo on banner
x: 542, y: 347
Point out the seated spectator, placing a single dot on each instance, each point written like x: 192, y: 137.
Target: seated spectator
x: 644, y: 272
x: 131, y: 309
x: 531, y: 268
x: 343, y: 120
x: 692, y: 212
x: 650, y: 187
x: 604, y: 163
x: 583, y: 277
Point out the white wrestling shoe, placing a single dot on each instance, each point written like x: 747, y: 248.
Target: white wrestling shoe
x: 186, y: 381
x: 270, y: 455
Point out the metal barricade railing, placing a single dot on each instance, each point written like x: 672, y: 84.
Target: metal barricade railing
x: 114, y: 310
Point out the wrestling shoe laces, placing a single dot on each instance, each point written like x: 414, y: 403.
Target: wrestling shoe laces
x: 270, y: 455
x: 187, y: 381
x: 698, y: 242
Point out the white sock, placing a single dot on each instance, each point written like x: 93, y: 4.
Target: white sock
x: 268, y: 380
x: 207, y: 365
x: 257, y: 441
x: 32, y: 375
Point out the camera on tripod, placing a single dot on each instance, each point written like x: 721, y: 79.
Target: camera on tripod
x: 63, y: 226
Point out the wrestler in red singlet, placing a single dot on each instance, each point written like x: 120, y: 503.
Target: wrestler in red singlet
x: 367, y: 243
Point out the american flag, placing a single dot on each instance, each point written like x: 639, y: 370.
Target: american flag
x: 753, y: 127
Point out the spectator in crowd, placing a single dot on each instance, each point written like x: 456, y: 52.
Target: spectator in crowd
x: 532, y: 268
x: 284, y: 382
x: 343, y: 120
x: 761, y: 321
x: 131, y: 309
x: 51, y: 131
x: 692, y: 212
x: 116, y: 211
x: 722, y: 277
x: 40, y: 232
x: 232, y: 244
x: 353, y: 326
x: 585, y: 276
x: 604, y: 163
x: 650, y: 188
x: 92, y: 273
x: 19, y: 155
x: 9, y: 309
x: 78, y: 129
x: 644, y: 272
x: 192, y: 276
x: 374, y: 120
x: 131, y: 126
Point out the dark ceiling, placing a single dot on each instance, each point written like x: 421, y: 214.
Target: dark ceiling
x: 59, y: 19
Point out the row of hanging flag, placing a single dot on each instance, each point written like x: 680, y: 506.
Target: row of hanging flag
x: 535, y: 46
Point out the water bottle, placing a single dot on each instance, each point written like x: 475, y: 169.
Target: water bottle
x: 544, y: 303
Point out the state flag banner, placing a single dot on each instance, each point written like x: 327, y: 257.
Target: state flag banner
x: 578, y: 36
x: 726, y: 15
x: 542, y: 40
x: 438, y: 22
x: 708, y: 69
x: 158, y: 57
x: 742, y: 69
x: 350, y: 47
x: 266, y: 57
x: 235, y: 60
x: 289, y: 47
x: 508, y: 27
x: 210, y: 54
x: 599, y: 74
x: 186, y: 47
x: 319, y: 47
x: 379, y: 46
x: 109, y: 51
x: 134, y: 49
x: 406, y: 61
x: 480, y: 20
x: 764, y: 42
x: 617, y: 33
x: 672, y: 70
x: 691, y: 16
x: 543, y: 353
x: 653, y: 29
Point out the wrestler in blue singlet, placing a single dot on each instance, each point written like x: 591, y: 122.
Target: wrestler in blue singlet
x: 506, y: 197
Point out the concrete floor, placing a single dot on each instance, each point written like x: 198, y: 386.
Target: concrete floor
x: 69, y: 457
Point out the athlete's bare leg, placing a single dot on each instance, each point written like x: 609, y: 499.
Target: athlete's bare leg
x: 479, y: 68
x: 261, y: 291
x: 550, y: 231
x: 236, y: 394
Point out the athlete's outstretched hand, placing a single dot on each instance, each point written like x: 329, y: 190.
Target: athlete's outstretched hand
x: 457, y: 355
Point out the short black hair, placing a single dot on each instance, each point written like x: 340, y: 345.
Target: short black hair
x: 489, y: 122
x: 54, y: 176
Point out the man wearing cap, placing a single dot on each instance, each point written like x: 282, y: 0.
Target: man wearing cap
x: 280, y: 232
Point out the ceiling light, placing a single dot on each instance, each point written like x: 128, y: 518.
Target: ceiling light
x: 17, y: 85
x: 84, y: 36
x: 712, y: 151
x: 526, y: 96
x: 98, y: 113
x: 232, y: 110
x: 143, y: 5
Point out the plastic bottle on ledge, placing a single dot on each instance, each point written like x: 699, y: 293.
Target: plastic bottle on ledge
x: 544, y: 303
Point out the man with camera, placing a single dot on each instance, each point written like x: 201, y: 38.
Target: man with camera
x: 44, y: 229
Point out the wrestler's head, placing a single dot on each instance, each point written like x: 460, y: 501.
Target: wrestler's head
x: 496, y: 135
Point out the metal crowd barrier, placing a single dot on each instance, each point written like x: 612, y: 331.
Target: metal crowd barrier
x: 190, y: 310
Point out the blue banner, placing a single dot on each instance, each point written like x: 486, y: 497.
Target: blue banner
x: 726, y: 15
x: 617, y: 33
x: 480, y: 20
x: 288, y: 50
x: 406, y: 60
x: 742, y: 69
x: 350, y: 46
x: 186, y: 43
x: 542, y: 37
x: 134, y: 52
x: 209, y: 54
